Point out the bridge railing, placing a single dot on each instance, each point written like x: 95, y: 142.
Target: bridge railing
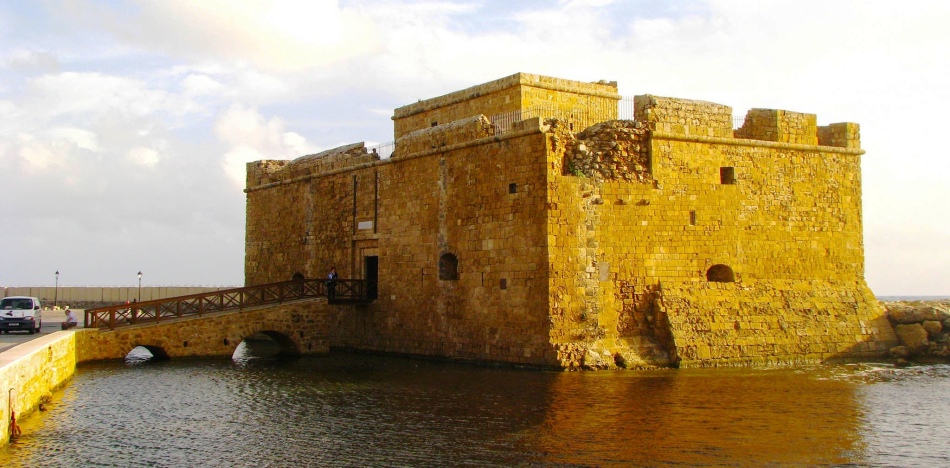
x: 347, y: 290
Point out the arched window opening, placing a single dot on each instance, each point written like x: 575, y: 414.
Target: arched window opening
x: 448, y: 267
x: 720, y: 274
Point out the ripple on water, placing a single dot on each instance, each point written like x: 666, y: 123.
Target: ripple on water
x: 360, y: 410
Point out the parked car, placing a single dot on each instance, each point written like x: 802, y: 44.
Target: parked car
x: 20, y: 313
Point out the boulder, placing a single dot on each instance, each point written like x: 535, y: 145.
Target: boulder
x: 913, y: 336
x: 933, y: 328
x: 946, y: 324
x: 900, y: 313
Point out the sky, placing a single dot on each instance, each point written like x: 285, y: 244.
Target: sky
x: 125, y: 125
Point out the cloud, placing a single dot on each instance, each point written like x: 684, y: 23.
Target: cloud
x: 143, y: 114
x: 278, y: 35
x: 32, y: 61
x: 252, y: 138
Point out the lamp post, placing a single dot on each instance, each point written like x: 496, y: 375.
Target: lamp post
x: 56, y: 292
x: 140, y: 286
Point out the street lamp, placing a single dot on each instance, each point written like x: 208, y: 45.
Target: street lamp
x: 140, y: 286
x: 56, y: 292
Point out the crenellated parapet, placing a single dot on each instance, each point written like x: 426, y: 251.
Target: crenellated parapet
x: 584, y: 103
x: 684, y: 116
x: 842, y: 135
x: 262, y: 173
x: 779, y: 125
x: 440, y: 136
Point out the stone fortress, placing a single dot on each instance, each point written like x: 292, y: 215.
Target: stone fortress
x: 520, y: 221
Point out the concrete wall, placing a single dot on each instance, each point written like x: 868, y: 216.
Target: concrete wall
x: 68, y: 295
x: 30, y: 372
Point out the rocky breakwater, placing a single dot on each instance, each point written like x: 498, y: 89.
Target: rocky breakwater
x: 923, y: 331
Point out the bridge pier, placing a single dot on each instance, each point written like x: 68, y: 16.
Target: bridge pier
x: 301, y: 324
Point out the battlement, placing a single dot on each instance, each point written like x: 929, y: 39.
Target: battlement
x: 684, y: 116
x: 588, y: 103
x: 343, y: 157
x: 707, y: 119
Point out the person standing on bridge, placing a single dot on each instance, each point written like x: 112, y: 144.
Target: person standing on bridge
x: 70, y: 321
x: 331, y: 283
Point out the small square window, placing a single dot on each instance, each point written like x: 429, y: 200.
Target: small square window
x: 503, y: 283
x: 727, y: 175
x: 512, y: 188
x: 692, y: 218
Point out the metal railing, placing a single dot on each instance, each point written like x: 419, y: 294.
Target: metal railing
x: 344, y: 291
x: 384, y: 150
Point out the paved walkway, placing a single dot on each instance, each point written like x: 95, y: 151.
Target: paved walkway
x: 51, y: 323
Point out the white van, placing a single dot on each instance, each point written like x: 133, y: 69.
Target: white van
x: 20, y: 313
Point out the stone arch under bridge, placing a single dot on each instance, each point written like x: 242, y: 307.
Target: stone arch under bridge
x: 301, y: 327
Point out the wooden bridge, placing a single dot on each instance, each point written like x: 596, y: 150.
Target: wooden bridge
x: 341, y: 291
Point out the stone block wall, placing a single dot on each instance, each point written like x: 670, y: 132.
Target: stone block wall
x: 301, y: 326
x: 440, y: 136
x: 30, y: 372
x: 784, y: 218
x: 616, y: 246
x: 683, y: 116
x: 481, y: 201
x: 774, y: 322
x: 585, y: 103
x: 779, y: 125
x: 844, y: 135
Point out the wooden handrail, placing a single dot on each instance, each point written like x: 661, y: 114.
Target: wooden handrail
x: 226, y: 299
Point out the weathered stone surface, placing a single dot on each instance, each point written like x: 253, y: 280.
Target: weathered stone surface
x: 913, y: 336
x: 907, y: 314
x: 933, y: 328
x: 664, y: 240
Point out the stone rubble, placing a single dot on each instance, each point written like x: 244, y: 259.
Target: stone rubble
x: 922, y: 329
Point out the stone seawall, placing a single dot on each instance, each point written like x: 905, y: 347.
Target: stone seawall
x: 30, y: 372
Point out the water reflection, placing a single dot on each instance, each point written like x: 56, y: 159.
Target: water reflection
x: 700, y: 418
x: 360, y: 410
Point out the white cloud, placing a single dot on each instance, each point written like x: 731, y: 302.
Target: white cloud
x: 252, y: 137
x: 32, y: 60
x: 278, y: 35
x: 143, y: 156
x: 212, y: 85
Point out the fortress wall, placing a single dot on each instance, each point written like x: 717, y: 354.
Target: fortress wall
x: 774, y: 322
x: 843, y: 134
x: 591, y: 249
x: 478, y: 201
x: 779, y: 125
x: 491, y: 98
x: 787, y: 222
x: 684, y: 116
x: 440, y: 136
x: 592, y: 102
x: 460, y: 203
